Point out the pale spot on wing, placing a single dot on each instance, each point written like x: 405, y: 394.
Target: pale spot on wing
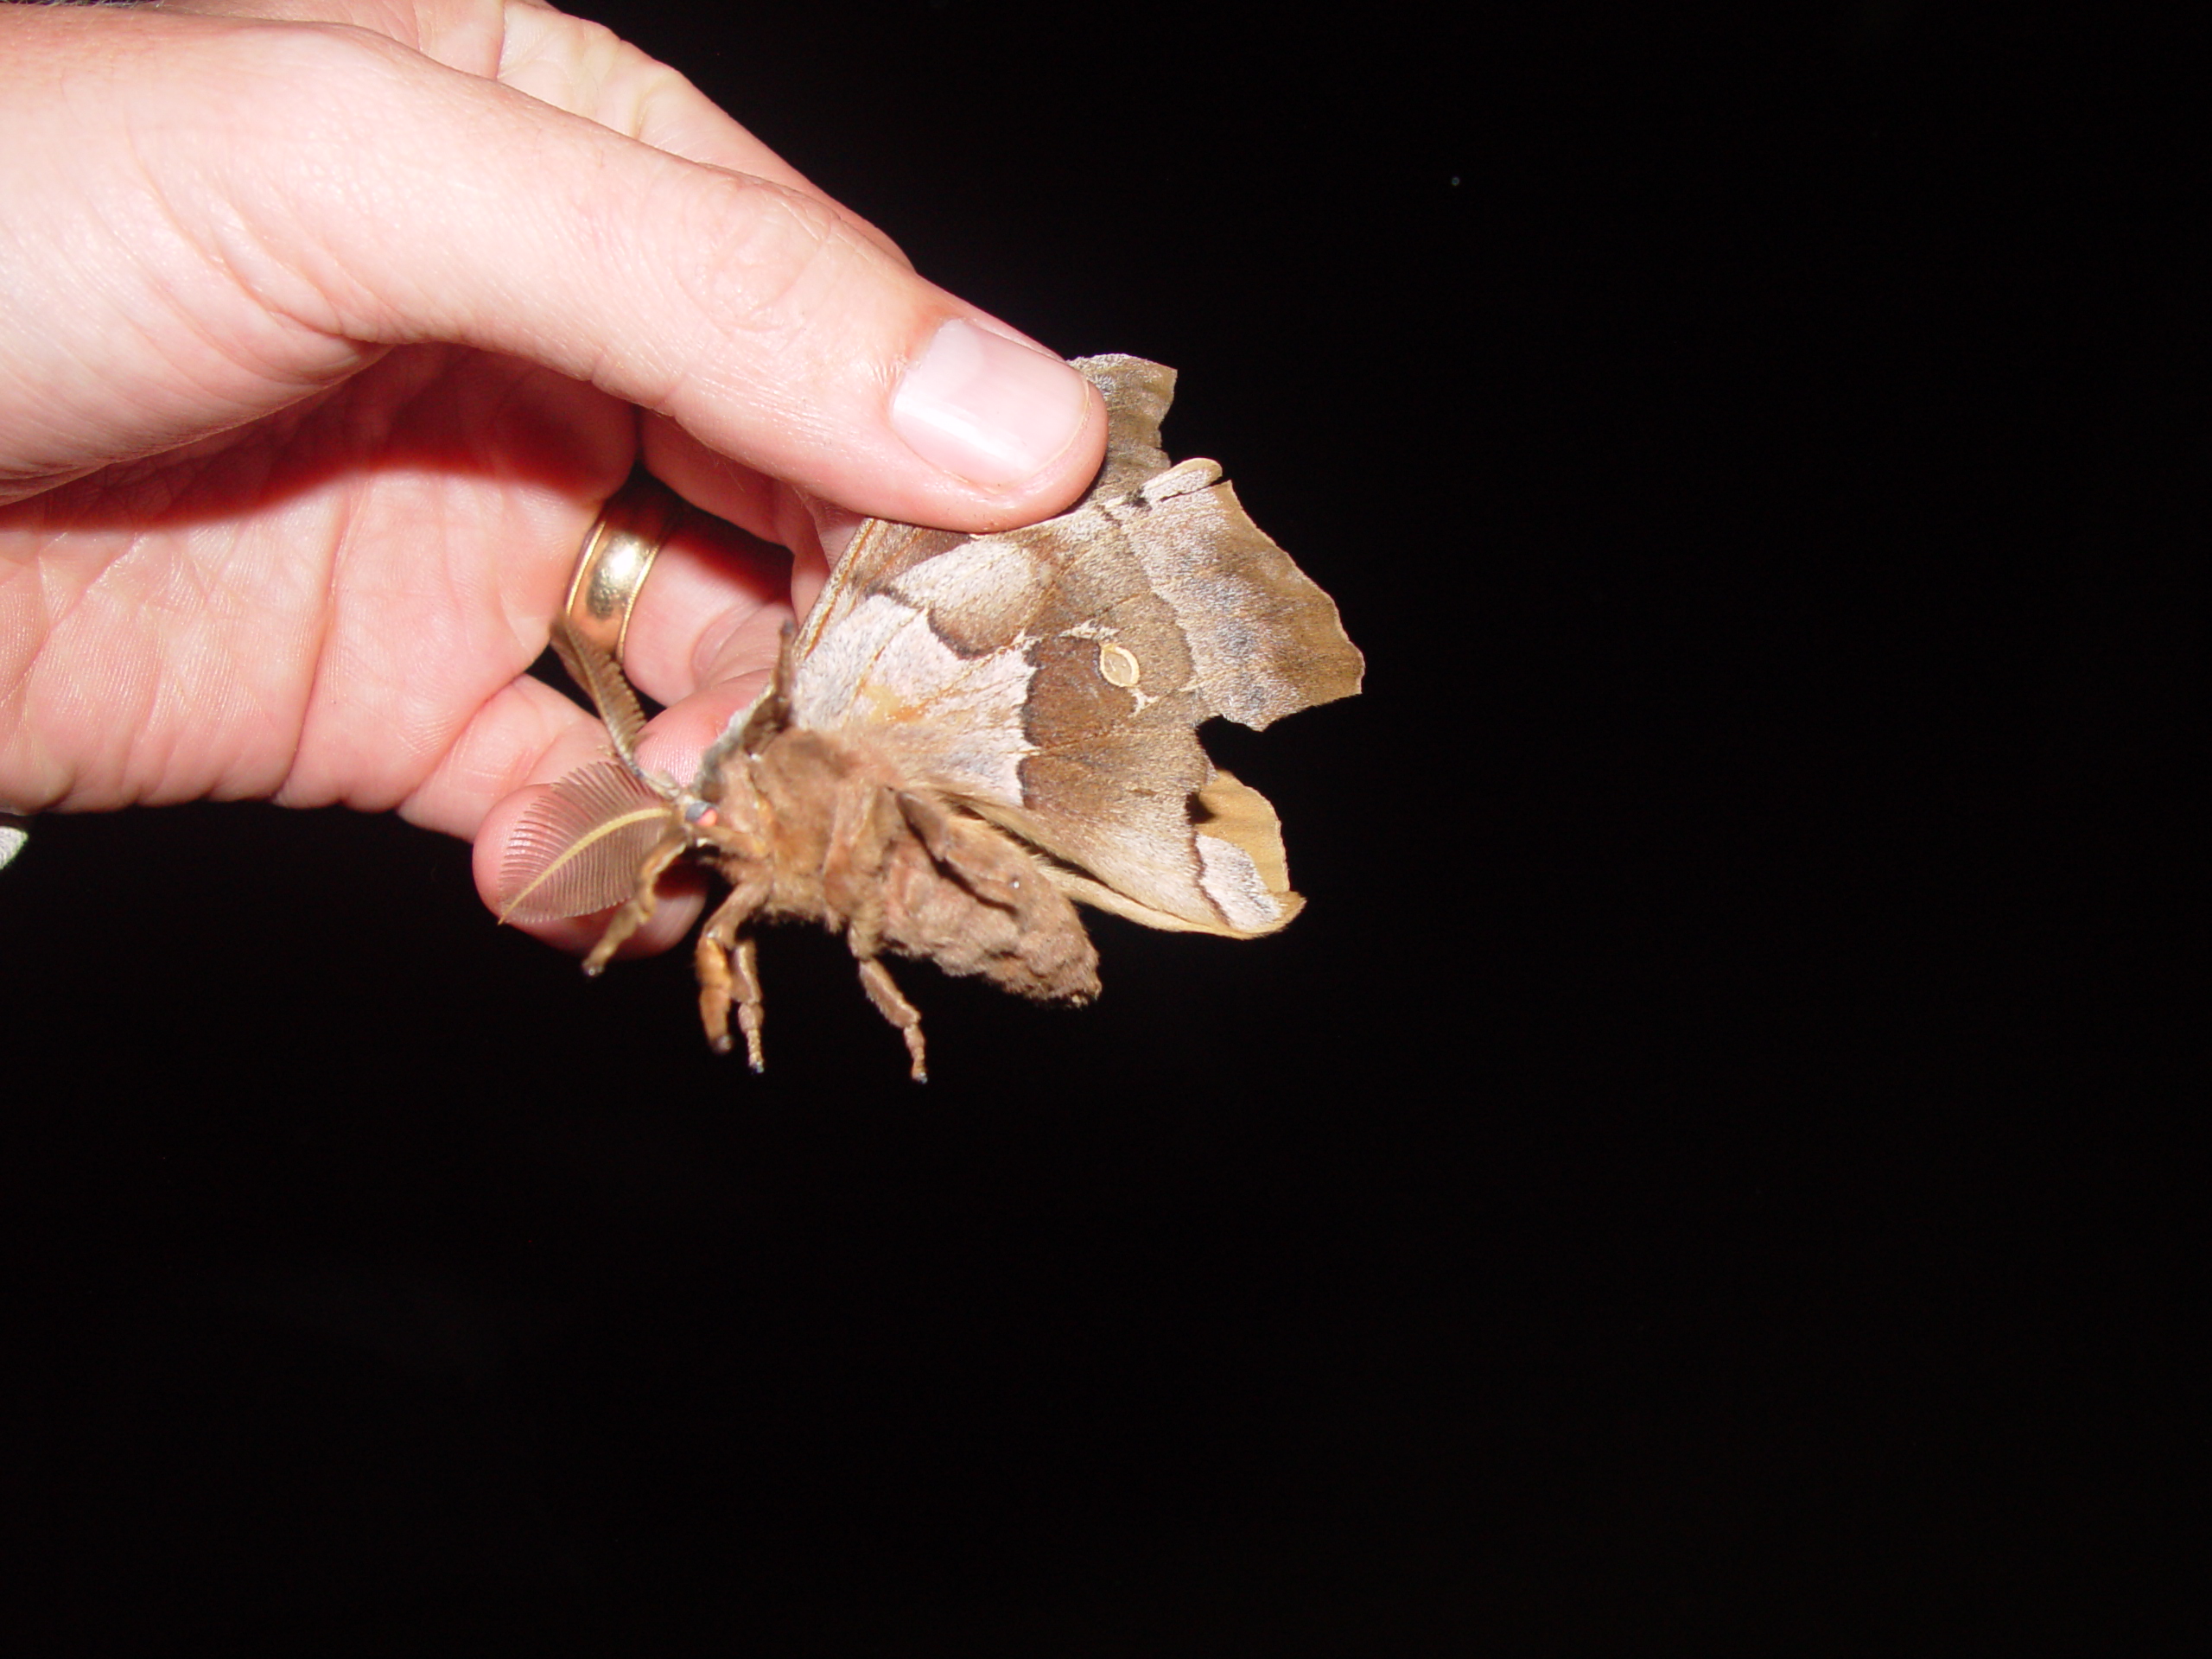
x: 1233, y: 882
x: 1117, y: 666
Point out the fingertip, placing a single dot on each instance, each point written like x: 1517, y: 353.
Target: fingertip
x: 992, y: 410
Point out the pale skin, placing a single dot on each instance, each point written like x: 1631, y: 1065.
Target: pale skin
x: 324, y: 329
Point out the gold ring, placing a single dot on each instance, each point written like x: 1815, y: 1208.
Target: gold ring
x: 617, y: 556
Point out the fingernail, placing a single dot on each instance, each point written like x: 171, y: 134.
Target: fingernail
x: 986, y: 409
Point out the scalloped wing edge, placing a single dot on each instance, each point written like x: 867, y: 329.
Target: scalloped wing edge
x: 1247, y: 854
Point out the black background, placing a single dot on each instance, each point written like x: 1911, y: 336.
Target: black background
x: 1708, y: 1173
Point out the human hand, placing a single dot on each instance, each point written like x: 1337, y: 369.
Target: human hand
x: 321, y: 341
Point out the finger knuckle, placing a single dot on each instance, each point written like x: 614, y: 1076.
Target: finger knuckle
x: 764, y: 260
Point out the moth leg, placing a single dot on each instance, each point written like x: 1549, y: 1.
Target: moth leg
x: 972, y: 853
x: 851, y: 879
x: 728, y: 973
x: 745, y: 967
x: 643, y: 902
x: 876, y: 980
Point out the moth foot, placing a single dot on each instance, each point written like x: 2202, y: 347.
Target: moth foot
x: 625, y: 922
x: 749, y: 1020
x: 713, y: 996
x: 876, y: 980
x: 643, y: 900
x: 728, y: 968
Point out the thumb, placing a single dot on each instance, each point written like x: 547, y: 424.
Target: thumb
x: 754, y: 313
x: 355, y: 192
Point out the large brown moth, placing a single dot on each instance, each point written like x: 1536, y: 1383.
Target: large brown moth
x: 968, y: 732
